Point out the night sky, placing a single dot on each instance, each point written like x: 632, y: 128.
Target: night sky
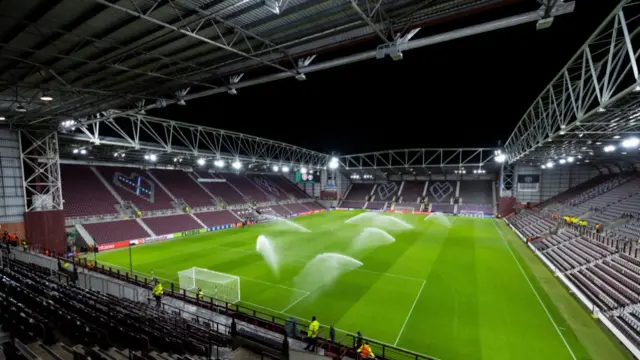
x: 464, y: 93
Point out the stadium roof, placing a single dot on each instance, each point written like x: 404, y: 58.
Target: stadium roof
x: 590, y: 112
x: 92, y: 56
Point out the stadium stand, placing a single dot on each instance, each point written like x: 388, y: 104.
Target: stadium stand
x: 443, y: 208
x: 136, y: 186
x: 112, y: 231
x: 84, y: 195
x: 376, y: 205
x: 266, y: 184
x: 246, y: 187
x: 288, y: 187
x: 222, y: 190
x: 357, y: 196
x: 50, y: 320
x: 441, y: 192
x: 217, y: 218
x: 484, y: 208
x: 182, y: 187
x: 411, y: 192
x: 295, y: 208
x: 476, y: 192
x: 163, y: 225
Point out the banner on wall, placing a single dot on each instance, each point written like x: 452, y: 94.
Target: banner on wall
x: 222, y: 227
x: 189, y: 232
x: 528, y: 179
x: 113, y: 245
x: 157, y: 238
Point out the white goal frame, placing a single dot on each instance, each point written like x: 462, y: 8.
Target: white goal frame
x: 473, y: 214
x: 217, y: 279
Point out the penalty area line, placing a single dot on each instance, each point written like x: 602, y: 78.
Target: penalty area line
x: 534, y: 291
x: 295, y: 302
x: 410, y: 312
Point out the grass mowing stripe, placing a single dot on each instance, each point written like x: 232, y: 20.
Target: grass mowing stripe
x: 410, y: 311
x: 534, y: 291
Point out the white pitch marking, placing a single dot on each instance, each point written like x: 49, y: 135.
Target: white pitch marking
x: 295, y: 302
x: 410, y: 311
x: 535, y: 292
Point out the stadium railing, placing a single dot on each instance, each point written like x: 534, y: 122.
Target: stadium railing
x: 347, y: 346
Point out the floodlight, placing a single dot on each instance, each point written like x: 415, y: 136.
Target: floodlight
x: 303, y: 170
x: 333, y: 164
x: 562, y: 161
x: 570, y: 159
x: 276, y: 168
x: 75, y: 151
x: 153, y: 157
x: 549, y: 164
x: 236, y: 165
x: 631, y: 142
x: 83, y: 151
x: 500, y: 158
x: 543, y: 166
x: 201, y: 161
x: 609, y: 148
x: 219, y: 163
x: 46, y: 97
x: 285, y: 169
x: 2, y: 118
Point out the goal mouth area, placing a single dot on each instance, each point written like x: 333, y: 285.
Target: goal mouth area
x: 472, y: 214
x: 217, y: 285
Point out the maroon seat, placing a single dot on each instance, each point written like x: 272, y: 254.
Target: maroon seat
x: 217, y: 218
x: 84, y: 194
x: 246, y: 187
x: 411, y: 191
x: 137, y: 186
x: 181, y: 186
x: 359, y: 192
x: 296, y: 208
x: 221, y: 189
x: 288, y: 187
x: 163, y: 225
x: 112, y: 231
x: 266, y: 184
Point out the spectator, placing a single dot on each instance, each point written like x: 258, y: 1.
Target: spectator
x: 365, y: 351
x: 157, y: 294
x: 332, y: 334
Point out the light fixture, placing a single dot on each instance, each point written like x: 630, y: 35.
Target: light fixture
x: 543, y: 167
x: 609, y: 148
x: 276, y: 168
x: 219, y: 163
x: 285, y: 169
x: 303, y: 170
x: 562, y: 161
x: 201, y: 161
x: 46, y: 97
x: 236, y: 165
x: 75, y: 151
x: 570, y: 159
x: 83, y: 151
x: 549, y: 164
x: 182, y: 102
x: 334, y: 163
x: 20, y: 108
x: 631, y: 142
x: 2, y: 118
x: 616, y: 137
x: 500, y: 158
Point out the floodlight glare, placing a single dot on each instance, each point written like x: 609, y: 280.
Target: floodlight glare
x: 236, y: 165
x: 500, y: 158
x: 549, y: 165
x: 75, y: 151
x: 631, y: 142
x: 543, y: 167
x: 303, y: 170
x: 609, y: 148
x: 333, y: 164
x: 201, y: 162
x: 562, y: 161
x: 276, y: 168
x: 83, y: 151
x: 219, y: 163
x: 285, y: 169
x: 570, y: 159
x: 153, y: 157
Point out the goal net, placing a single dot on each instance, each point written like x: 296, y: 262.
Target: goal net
x: 220, y: 286
x: 474, y: 214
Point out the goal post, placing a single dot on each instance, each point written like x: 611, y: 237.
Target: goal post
x: 220, y: 286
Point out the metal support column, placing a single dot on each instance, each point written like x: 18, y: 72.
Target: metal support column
x: 41, y: 170
x: 508, y: 180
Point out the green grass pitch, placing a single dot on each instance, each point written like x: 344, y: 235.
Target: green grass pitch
x: 468, y: 291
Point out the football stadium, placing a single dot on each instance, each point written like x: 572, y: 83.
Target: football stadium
x: 127, y: 235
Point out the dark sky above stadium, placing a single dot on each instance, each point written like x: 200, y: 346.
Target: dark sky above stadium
x: 464, y: 93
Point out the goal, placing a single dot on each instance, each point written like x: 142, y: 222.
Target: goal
x: 474, y: 214
x: 220, y: 286
x: 404, y: 209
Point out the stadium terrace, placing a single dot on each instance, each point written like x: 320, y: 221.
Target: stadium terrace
x: 130, y: 236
